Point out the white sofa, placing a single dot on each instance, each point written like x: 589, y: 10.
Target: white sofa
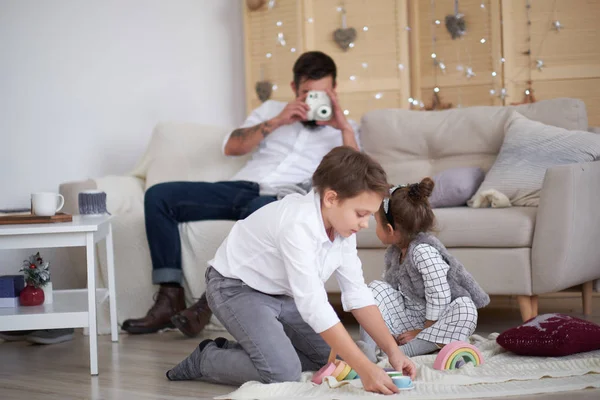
x: 522, y: 251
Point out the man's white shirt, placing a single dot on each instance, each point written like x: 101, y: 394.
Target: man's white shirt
x: 291, y: 153
x: 283, y: 249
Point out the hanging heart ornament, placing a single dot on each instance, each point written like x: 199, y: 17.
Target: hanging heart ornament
x: 456, y: 25
x: 264, y: 90
x: 255, y: 4
x: 344, y: 36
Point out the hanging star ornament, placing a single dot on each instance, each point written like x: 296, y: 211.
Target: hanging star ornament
x: 440, y: 64
x: 469, y: 73
x: 557, y: 25
x: 502, y: 95
x: 539, y: 64
x: 281, y: 39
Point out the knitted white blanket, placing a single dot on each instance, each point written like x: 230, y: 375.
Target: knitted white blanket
x: 502, y: 374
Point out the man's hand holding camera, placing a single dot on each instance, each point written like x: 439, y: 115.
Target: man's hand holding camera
x: 325, y: 110
x: 322, y: 107
x: 294, y: 111
x: 338, y: 119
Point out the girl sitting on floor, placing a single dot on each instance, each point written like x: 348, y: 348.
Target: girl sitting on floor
x: 427, y: 297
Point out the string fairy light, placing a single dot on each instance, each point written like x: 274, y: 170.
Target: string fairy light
x: 436, y: 102
x: 534, y: 59
x: 441, y: 66
x: 556, y: 25
x: 264, y: 87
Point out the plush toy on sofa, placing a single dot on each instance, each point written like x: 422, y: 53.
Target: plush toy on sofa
x: 490, y: 197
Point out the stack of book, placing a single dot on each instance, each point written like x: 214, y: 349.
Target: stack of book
x: 10, y: 288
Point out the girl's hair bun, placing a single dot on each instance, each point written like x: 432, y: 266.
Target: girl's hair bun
x: 421, y: 191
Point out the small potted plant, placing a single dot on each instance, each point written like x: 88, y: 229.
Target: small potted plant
x: 37, y: 275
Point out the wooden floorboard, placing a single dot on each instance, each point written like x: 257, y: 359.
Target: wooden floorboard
x: 135, y: 367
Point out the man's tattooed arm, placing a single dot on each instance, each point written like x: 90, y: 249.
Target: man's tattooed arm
x: 243, y: 133
x: 244, y: 140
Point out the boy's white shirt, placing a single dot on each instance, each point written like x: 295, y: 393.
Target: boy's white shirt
x: 283, y: 249
x: 291, y: 153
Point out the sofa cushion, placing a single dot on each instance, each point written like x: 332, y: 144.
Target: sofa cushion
x: 488, y: 227
x: 413, y: 144
x: 529, y: 149
x: 468, y: 227
x: 454, y: 186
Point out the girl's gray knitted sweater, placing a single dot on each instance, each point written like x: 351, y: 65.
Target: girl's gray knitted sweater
x: 406, y: 277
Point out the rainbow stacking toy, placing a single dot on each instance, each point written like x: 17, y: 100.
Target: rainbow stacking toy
x: 456, y: 355
x: 338, y: 369
x: 343, y: 372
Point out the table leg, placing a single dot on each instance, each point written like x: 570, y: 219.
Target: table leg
x: 91, y: 289
x: 110, y: 257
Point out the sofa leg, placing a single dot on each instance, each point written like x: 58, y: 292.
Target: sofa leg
x: 586, y: 294
x: 525, y: 305
x: 534, y: 306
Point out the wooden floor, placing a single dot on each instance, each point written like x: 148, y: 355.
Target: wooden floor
x: 135, y: 367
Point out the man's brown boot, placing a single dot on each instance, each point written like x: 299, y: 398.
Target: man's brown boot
x: 192, y: 320
x: 168, y: 301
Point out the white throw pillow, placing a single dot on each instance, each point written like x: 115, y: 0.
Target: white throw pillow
x: 188, y: 152
x: 528, y: 150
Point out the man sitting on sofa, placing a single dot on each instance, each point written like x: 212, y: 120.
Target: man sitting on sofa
x: 289, y: 149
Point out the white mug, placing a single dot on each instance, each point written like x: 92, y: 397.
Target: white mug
x: 46, y: 204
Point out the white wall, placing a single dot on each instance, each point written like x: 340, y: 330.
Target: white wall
x: 83, y: 83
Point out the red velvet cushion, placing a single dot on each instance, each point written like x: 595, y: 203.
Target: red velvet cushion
x: 551, y: 335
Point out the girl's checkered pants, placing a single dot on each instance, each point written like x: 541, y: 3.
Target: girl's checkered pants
x: 457, y: 322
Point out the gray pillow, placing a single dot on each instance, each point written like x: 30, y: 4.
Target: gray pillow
x: 453, y: 187
x: 528, y: 150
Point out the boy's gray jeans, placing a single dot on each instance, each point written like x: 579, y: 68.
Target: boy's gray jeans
x: 274, y: 344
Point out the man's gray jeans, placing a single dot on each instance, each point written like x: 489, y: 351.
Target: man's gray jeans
x: 274, y: 344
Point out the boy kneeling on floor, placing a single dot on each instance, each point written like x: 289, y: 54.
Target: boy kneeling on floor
x: 266, y: 285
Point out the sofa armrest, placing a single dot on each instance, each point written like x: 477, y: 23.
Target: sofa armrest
x: 124, y: 194
x: 566, y: 242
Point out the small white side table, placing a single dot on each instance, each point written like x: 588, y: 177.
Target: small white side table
x: 70, y: 308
